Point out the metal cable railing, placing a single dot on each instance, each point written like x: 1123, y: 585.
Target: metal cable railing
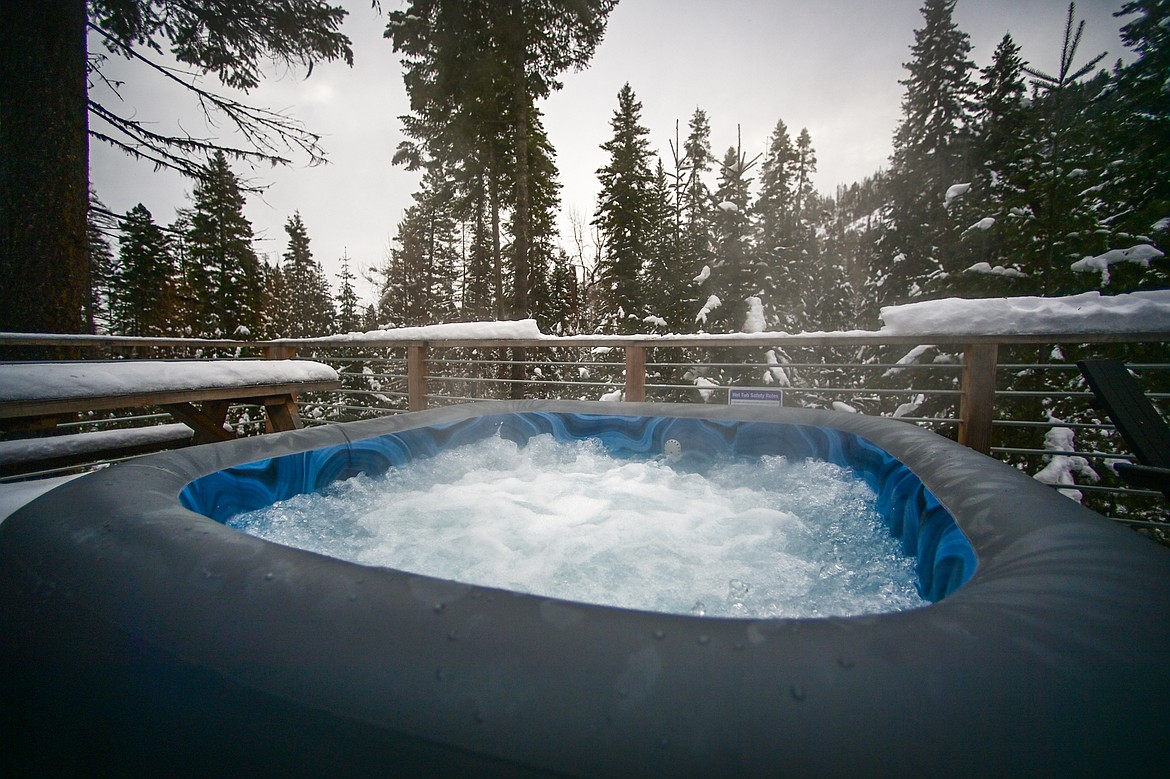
x: 383, y: 376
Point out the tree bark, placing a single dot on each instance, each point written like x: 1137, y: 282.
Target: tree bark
x: 520, y: 307
x: 44, y: 167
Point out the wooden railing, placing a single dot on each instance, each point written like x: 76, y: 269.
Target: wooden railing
x: 977, y: 400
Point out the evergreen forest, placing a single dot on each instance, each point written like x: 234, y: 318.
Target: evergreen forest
x: 1002, y: 178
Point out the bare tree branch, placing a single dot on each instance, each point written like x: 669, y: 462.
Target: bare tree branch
x: 269, y: 133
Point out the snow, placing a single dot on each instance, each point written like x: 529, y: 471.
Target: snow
x: 1061, y: 467
x: 775, y: 374
x: 26, y: 449
x: 728, y: 207
x: 998, y: 270
x: 1089, y: 312
x: 704, y: 274
x: 53, y: 381
x: 986, y: 223
x: 909, y: 407
x: 514, y: 330
x: 1141, y: 254
x: 657, y: 321
x: 839, y: 406
x: 956, y: 190
x: 713, y: 302
x: 706, y: 388
x: 754, y: 321
x: 910, y: 358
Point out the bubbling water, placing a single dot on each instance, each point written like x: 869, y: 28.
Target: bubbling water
x: 761, y: 538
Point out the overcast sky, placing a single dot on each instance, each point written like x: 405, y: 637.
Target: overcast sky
x: 832, y: 66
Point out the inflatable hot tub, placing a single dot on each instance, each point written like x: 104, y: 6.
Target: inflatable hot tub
x: 141, y: 636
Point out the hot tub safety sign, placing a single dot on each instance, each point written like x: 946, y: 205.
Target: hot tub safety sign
x: 750, y: 396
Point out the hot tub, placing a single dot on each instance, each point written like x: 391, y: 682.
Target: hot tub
x: 142, y: 635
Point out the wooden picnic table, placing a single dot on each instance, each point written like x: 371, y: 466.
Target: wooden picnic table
x: 36, y: 395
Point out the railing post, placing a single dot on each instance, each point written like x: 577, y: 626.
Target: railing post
x: 977, y: 403
x: 416, y: 377
x: 635, y: 374
x: 280, y: 352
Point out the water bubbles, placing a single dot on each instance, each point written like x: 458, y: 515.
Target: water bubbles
x: 763, y: 539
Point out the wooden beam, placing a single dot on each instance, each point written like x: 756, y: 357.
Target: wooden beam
x: 977, y: 403
x: 281, y: 414
x: 206, y: 422
x: 416, y: 377
x: 635, y: 374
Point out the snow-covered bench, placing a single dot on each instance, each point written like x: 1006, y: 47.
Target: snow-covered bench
x: 34, y: 396
x: 27, y: 455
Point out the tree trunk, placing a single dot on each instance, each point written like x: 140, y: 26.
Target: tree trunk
x: 44, y: 167
x: 520, y: 308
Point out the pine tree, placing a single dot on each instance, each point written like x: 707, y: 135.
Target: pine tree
x: 992, y: 219
x: 695, y: 246
x: 624, y: 215
x: 1063, y: 164
x: 146, y: 293
x: 419, y: 278
x: 1139, y: 192
x: 44, y: 127
x: 930, y: 156
x: 348, y: 307
x: 774, y: 211
x: 103, y: 266
x: 225, y: 274
x: 736, y: 273
x: 307, y: 310
x: 665, y: 285
x: 473, y: 70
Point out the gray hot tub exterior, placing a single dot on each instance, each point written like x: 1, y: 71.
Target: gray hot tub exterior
x: 140, y: 637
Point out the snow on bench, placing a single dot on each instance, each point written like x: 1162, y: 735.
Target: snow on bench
x: 58, y: 451
x: 34, y: 395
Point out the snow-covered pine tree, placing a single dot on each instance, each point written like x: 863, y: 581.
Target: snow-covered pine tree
x: 348, y: 307
x: 1139, y: 113
x: 146, y: 293
x: 419, y: 277
x: 1065, y: 165
x: 695, y: 247
x: 930, y: 157
x: 665, y: 287
x: 773, y: 211
x: 625, y: 215
x: 307, y: 310
x: 992, y: 218
x: 226, y: 279
x: 736, y: 270
x: 544, y: 196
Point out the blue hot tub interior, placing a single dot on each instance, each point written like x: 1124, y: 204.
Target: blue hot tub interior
x: 945, y: 559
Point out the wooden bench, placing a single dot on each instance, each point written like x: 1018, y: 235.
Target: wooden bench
x: 1118, y: 394
x: 35, y: 396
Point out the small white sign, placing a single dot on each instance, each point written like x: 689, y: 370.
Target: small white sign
x: 745, y: 396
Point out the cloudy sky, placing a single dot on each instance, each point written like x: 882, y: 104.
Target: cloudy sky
x: 832, y: 66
